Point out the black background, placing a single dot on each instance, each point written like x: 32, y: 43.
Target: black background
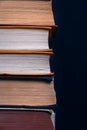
x: 70, y: 64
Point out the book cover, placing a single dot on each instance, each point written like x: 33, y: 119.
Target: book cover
x: 26, y: 120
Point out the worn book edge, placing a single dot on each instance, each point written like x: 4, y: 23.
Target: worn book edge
x: 26, y: 51
x: 32, y: 74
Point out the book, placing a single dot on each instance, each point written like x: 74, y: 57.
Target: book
x: 32, y: 13
x: 26, y: 120
x: 27, y: 93
x: 30, y: 63
x: 24, y: 38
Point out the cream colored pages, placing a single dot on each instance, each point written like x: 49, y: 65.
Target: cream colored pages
x: 24, y: 64
x: 25, y: 39
x: 31, y: 93
x: 26, y: 13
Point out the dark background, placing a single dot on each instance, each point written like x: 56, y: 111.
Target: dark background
x: 70, y: 64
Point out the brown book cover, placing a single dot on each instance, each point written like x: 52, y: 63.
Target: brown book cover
x: 27, y: 51
x: 25, y: 120
x: 27, y: 93
x: 32, y: 13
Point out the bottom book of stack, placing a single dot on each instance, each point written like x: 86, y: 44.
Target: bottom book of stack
x: 26, y: 120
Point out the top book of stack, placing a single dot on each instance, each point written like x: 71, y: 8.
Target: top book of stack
x: 32, y: 13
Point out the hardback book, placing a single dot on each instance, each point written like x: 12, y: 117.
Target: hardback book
x: 14, y: 38
x: 25, y: 63
x: 26, y: 12
x: 28, y: 93
x: 26, y: 120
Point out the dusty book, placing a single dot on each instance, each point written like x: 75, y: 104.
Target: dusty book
x: 27, y: 93
x: 25, y: 63
x: 14, y: 38
x: 38, y: 13
x: 26, y: 120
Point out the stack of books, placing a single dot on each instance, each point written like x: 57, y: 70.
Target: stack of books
x: 27, y: 95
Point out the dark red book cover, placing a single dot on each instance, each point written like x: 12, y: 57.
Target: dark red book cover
x: 25, y: 120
